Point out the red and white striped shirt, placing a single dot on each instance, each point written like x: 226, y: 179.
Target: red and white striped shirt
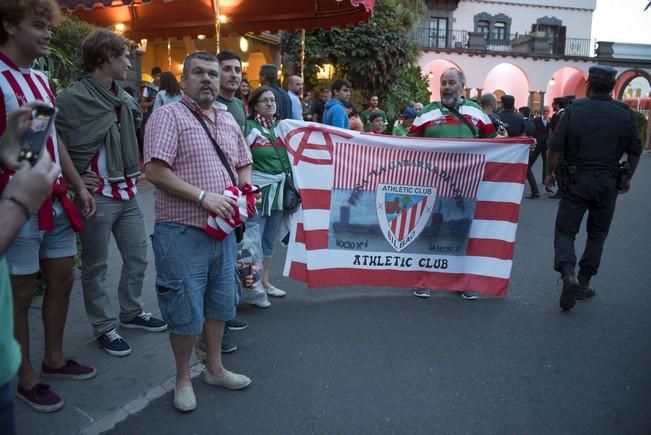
x: 19, y: 86
x: 123, y: 190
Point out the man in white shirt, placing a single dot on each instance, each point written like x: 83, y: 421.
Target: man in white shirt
x: 295, y: 90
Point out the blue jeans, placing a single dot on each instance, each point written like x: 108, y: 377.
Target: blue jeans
x: 269, y: 227
x: 195, y: 277
x: 7, y: 410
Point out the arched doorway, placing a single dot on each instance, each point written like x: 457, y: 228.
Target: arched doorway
x: 433, y: 71
x: 507, y: 78
x: 631, y: 83
x: 566, y: 81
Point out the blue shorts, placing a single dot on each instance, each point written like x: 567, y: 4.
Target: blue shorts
x: 31, y: 245
x: 195, y: 277
x: 269, y: 227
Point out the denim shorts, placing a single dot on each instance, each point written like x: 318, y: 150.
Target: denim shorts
x: 269, y: 227
x: 32, y: 245
x: 195, y: 277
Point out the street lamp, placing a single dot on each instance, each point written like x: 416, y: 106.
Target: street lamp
x: 244, y: 44
x: 325, y: 72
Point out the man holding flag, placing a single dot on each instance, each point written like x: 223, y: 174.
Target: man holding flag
x: 452, y: 117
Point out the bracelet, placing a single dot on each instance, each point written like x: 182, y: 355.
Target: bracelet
x: 202, y: 196
x: 20, y: 204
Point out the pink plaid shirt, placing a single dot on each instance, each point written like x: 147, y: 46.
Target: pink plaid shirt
x: 174, y: 136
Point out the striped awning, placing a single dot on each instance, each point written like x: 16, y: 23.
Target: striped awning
x: 178, y: 18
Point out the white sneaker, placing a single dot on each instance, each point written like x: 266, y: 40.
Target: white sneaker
x: 469, y: 296
x: 275, y: 291
x: 261, y: 303
x: 184, y: 399
x: 422, y: 293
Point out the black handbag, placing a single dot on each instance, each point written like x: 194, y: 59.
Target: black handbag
x: 291, y: 197
x: 239, y: 230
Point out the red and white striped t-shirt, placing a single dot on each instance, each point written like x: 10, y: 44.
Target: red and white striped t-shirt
x: 123, y: 190
x: 19, y: 86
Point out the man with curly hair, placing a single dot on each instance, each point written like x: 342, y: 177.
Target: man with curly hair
x: 46, y: 241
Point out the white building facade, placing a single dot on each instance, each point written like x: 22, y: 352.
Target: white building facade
x: 533, y: 50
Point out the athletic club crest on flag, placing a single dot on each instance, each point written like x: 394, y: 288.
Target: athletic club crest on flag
x: 403, y: 212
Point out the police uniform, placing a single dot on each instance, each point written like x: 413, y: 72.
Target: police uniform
x: 591, y: 136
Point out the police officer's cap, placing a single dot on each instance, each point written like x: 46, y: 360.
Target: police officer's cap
x: 602, y: 72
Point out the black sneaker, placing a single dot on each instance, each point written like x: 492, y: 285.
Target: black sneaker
x: 236, y: 324
x: 113, y: 343
x: 145, y: 321
x: 228, y: 345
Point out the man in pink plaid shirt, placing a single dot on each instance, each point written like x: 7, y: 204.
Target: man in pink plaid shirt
x: 195, y: 282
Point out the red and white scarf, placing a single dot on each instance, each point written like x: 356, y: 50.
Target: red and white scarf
x: 220, y: 228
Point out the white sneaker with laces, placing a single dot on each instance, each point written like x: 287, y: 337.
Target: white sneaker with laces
x: 275, y: 291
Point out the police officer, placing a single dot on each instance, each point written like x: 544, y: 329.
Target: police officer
x: 591, y: 137
x: 514, y: 122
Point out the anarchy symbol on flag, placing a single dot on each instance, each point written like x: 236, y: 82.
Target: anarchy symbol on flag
x: 313, y: 144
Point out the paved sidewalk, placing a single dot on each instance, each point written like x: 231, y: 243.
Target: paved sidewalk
x: 122, y: 385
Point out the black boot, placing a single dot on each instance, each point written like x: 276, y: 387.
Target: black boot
x: 570, y: 289
x: 585, y: 291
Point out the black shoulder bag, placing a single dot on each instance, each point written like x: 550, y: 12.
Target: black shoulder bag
x: 239, y: 231
x: 462, y: 118
x: 291, y: 197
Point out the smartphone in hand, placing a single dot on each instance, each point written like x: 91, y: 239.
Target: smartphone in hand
x: 39, y: 130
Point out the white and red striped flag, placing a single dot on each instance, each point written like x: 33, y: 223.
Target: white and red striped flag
x: 381, y: 210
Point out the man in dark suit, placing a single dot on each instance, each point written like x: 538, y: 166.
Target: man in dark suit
x: 542, y: 135
x: 530, y: 131
x: 558, y: 104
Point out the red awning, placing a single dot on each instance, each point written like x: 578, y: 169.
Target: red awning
x: 178, y: 18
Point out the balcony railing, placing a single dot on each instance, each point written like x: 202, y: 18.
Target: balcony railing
x: 537, y: 44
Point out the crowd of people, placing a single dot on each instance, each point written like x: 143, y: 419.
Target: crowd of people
x: 201, y: 139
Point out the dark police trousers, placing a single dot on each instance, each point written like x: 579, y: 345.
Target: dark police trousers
x: 596, y: 192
